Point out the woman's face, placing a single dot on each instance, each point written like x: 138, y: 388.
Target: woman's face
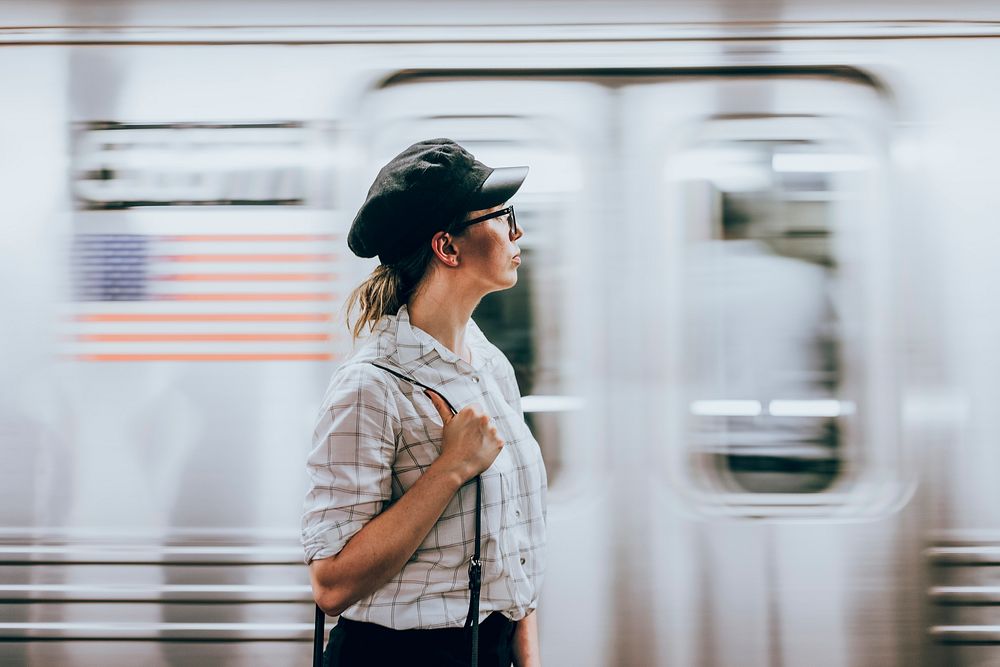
x: 488, y: 253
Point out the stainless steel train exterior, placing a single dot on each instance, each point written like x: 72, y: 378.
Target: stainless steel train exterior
x: 755, y: 326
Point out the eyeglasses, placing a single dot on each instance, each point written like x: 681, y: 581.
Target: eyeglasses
x: 509, y: 212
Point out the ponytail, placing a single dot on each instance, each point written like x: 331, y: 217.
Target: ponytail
x: 387, y: 288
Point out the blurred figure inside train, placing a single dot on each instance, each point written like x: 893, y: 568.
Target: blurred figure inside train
x: 761, y: 366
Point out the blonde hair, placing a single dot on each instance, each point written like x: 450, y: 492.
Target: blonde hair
x: 387, y: 288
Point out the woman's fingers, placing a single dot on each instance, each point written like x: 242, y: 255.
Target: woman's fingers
x: 439, y: 403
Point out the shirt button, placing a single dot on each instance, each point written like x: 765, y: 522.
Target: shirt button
x: 517, y: 513
x: 475, y: 378
x: 522, y: 561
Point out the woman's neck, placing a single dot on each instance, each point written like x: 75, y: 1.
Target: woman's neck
x: 443, y: 313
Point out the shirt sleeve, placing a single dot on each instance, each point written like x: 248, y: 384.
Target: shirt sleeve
x: 350, y: 465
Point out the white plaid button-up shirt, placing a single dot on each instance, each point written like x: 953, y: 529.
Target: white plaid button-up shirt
x: 376, y: 435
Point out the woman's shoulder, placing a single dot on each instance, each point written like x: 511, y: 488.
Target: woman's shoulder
x: 357, y: 389
x: 357, y: 381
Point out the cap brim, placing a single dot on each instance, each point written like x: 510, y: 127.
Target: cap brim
x: 498, y: 187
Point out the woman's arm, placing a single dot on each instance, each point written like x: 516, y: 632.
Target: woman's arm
x: 526, y: 651
x: 378, y: 551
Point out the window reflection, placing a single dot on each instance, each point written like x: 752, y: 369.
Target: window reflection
x: 762, y: 355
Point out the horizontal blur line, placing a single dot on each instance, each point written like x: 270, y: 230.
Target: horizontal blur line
x: 541, y: 403
x: 205, y: 317
x: 45, y: 549
x: 204, y: 357
x: 246, y: 258
x: 969, y: 595
x: 244, y: 277
x: 251, y: 562
x: 776, y: 408
x: 197, y: 338
x: 115, y: 125
x: 819, y: 163
x: 155, y: 594
x: 966, y: 634
x: 141, y: 588
x: 550, y: 32
x: 88, y: 204
x: 156, y: 555
x: 222, y: 238
x: 260, y: 296
x: 969, y: 555
x: 622, y: 73
x: 216, y: 600
x: 726, y: 408
x: 809, y: 408
x: 806, y: 233
x: 114, y: 631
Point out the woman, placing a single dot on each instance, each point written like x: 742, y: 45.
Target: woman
x: 389, y: 528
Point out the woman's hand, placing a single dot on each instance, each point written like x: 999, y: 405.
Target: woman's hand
x: 470, y: 441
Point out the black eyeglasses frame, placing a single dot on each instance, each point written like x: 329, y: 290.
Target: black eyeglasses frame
x: 461, y: 225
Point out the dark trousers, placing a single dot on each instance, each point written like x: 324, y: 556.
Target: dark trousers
x: 354, y: 644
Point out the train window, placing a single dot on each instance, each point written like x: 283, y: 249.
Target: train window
x: 204, y: 242
x: 774, y: 324
x: 150, y: 165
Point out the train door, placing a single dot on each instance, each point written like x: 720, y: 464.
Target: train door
x: 772, y: 400
x: 701, y: 329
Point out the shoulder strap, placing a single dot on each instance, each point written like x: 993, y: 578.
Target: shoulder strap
x: 419, y: 384
x: 476, y: 564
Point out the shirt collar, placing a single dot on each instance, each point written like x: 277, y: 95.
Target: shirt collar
x: 414, y: 350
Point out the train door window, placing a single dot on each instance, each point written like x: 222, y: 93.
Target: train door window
x: 763, y: 370
x: 780, y: 291
x: 545, y: 125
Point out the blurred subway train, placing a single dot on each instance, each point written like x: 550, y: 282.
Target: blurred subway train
x: 755, y: 328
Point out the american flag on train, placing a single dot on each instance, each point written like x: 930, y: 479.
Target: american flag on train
x: 203, y: 297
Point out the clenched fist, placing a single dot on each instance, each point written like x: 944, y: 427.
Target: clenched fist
x: 470, y: 441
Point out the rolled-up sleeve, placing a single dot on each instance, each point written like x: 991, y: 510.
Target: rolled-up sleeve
x: 350, y: 465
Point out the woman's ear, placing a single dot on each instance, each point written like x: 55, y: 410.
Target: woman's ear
x: 444, y: 248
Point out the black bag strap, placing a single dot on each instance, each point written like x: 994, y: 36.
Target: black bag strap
x: 318, y: 637
x: 476, y: 576
x: 475, y: 565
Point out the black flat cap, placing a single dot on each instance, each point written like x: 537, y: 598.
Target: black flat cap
x: 422, y: 191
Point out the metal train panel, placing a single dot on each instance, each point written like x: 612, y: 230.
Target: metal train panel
x: 752, y: 328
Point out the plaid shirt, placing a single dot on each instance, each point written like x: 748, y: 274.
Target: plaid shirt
x: 377, y: 434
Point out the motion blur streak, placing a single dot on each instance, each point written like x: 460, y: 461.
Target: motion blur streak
x: 753, y: 326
